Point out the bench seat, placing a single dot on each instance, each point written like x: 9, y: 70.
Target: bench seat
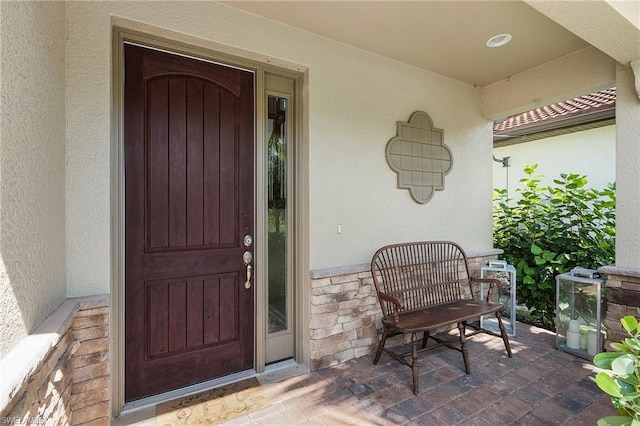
x: 424, y: 287
x: 439, y: 316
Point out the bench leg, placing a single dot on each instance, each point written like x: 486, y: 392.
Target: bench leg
x: 424, y: 339
x: 503, y: 333
x: 383, y: 339
x: 414, y: 363
x: 463, y: 346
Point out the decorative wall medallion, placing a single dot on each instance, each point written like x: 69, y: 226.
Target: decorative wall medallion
x: 419, y: 156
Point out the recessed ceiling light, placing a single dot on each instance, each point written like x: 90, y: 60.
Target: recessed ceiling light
x: 499, y: 40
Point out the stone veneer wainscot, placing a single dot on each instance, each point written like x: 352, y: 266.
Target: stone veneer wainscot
x: 345, y: 314
x: 59, y: 374
x: 622, y: 290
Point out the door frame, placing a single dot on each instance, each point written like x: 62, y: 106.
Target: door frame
x: 180, y: 44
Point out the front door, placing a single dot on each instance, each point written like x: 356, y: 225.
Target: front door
x: 189, y: 213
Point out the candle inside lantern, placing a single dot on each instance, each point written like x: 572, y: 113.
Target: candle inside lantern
x: 574, y: 325
x: 592, y: 343
x: 583, y: 341
x: 573, y: 339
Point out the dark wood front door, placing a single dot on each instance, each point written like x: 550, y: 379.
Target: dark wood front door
x: 188, y: 128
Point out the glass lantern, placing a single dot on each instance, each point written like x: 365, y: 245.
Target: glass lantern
x: 579, y: 310
x: 506, y: 295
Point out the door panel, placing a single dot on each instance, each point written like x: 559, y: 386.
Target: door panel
x: 194, y: 176
x: 188, y: 204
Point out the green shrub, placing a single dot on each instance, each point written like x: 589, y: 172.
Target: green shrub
x: 550, y: 230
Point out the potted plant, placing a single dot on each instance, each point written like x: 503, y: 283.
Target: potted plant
x: 620, y: 378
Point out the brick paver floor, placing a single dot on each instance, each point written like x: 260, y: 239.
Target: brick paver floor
x: 538, y: 386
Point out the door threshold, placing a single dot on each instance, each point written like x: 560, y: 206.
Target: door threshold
x: 281, y: 370
x: 142, y: 411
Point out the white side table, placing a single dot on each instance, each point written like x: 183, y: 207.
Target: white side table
x: 506, y: 295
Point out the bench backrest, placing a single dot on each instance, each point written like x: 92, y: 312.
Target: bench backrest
x: 421, y: 274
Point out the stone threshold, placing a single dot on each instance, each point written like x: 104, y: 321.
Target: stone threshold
x: 29, y: 353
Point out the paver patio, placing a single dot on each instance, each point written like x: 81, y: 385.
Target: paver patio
x: 538, y: 386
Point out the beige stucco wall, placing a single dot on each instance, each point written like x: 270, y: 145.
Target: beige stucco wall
x: 591, y: 152
x: 608, y: 26
x: 629, y: 9
x: 32, y: 163
x: 627, y: 175
x: 355, y: 99
x: 581, y: 72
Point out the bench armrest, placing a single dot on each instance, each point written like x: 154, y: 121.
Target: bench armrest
x: 490, y: 281
x: 396, y: 304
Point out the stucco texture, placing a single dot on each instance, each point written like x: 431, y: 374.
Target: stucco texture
x: 590, y: 152
x: 628, y: 178
x: 355, y: 99
x: 32, y: 166
x: 584, y: 71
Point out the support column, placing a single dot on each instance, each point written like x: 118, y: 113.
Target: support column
x: 635, y: 67
x: 623, y: 278
x: 627, y: 170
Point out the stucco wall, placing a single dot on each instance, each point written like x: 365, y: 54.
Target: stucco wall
x: 628, y: 178
x: 591, y: 152
x: 355, y: 99
x: 584, y: 71
x: 32, y: 164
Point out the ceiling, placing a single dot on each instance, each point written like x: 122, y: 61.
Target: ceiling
x: 446, y: 37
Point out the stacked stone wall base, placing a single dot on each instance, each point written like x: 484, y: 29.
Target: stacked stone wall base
x: 345, y: 315
x: 623, y: 298
x: 68, y: 383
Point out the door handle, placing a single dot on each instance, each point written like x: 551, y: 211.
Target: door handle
x: 247, y: 258
x: 247, y: 284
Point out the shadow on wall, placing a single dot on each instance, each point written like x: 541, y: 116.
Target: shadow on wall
x: 32, y: 167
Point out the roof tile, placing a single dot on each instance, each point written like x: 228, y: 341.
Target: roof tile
x: 580, y: 105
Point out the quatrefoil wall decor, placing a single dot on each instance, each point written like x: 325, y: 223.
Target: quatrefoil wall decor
x: 419, y: 156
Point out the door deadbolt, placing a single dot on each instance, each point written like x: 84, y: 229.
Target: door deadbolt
x: 248, y: 240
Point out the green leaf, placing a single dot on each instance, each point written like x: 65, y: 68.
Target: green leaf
x: 604, y: 359
x: 545, y: 285
x: 615, y: 421
x: 624, y: 365
x: 539, y: 261
x: 629, y: 323
x: 631, y: 395
x: 621, y: 347
x: 632, y: 343
x: 631, y: 380
x: 536, y: 250
x: 625, y: 388
x: 608, y: 385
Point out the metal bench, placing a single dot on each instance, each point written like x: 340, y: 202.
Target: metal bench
x: 424, y: 287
